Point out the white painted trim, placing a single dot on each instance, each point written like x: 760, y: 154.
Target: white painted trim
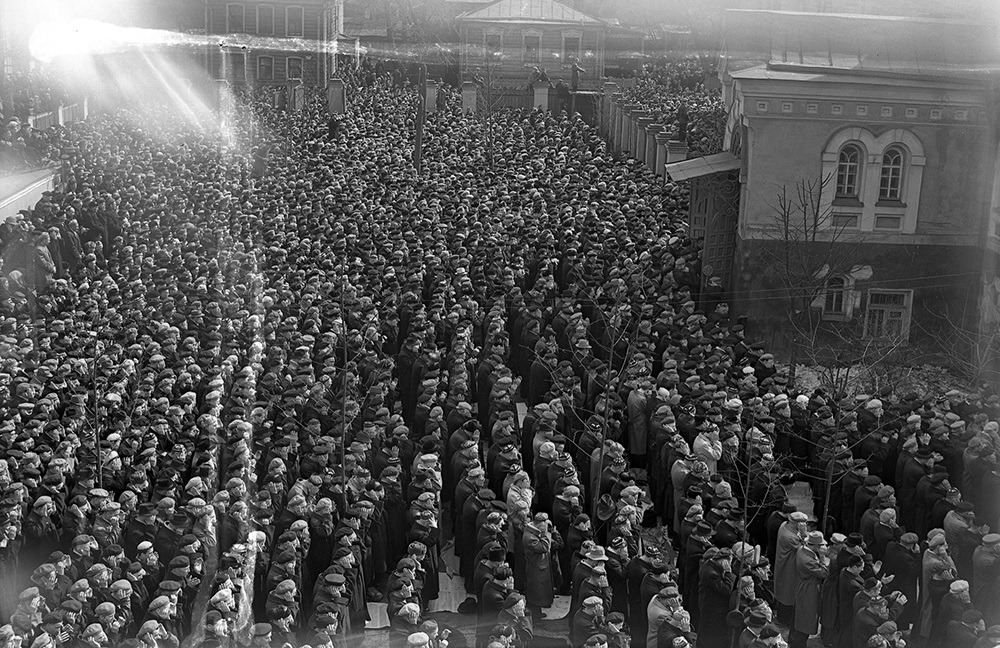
x: 302, y: 30
x: 302, y: 67
x: 870, y: 174
x: 243, y: 9
x: 570, y: 33
x: 257, y: 26
x: 270, y: 58
x: 907, y: 308
x: 23, y: 192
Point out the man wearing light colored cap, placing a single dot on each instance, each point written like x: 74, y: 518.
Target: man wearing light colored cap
x: 952, y: 606
x: 418, y: 640
x: 791, y: 536
x: 94, y: 636
x: 587, y: 621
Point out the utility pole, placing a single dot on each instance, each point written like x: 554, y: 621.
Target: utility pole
x: 343, y: 399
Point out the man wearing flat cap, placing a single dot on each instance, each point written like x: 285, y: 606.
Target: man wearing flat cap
x: 715, y: 586
x: 588, y: 621
x: 40, y: 532
x: 515, y: 613
x: 791, y: 535
x: 811, y: 568
x: 538, y: 541
x: 869, y: 618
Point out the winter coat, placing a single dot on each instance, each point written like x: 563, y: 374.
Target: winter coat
x: 714, y: 588
x: 811, y: 572
x: 785, y: 577
x: 537, y: 544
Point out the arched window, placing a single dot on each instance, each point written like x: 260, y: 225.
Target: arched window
x: 835, y: 288
x: 848, y: 171
x: 890, y: 185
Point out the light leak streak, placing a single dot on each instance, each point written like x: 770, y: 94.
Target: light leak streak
x: 53, y: 40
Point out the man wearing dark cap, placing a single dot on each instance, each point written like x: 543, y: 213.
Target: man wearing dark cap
x: 850, y: 584
x: 715, y: 585
x: 877, y: 611
x: 467, y: 532
x: 754, y: 623
x: 963, y: 535
x: 914, y: 470
x: 261, y: 635
x: 515, y: 614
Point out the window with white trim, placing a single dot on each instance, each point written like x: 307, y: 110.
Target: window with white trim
x: 294, y: 22
x: 293, y: 67
x: 887, y: 315
x: 234, y: 18
x: 265, y: 20
x: 890, y: 186
x: 492, y: 42
x: 571, y: 47
x: 849, y: 171
x: 532, y: 48
x: 265, y: 68
x: 238, y: 63
x: 885, y: 197
x: 833, y: 302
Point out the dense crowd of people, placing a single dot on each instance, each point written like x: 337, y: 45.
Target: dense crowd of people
x: 23, y: 147
x: 21, y: 96
x: 253, y: 381
x: 675, y: 92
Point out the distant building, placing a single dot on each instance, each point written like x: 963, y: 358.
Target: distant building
x: 276, y: 42
x: 897, y: 116
x: 513, y: 37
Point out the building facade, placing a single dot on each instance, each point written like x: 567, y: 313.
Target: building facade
x: 273, y: 43
x: 896, y: 157
x: 511, y: 38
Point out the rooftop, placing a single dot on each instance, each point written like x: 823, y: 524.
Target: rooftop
x: 904, y: 44
x: 530, y: 11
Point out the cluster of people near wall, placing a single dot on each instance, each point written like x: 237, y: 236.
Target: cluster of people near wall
x: 683, y: 97
x: 265, y: 377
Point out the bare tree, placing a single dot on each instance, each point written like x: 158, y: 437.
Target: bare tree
x: 802, y: 248
x: 487, y: 79
x: 971, y: 349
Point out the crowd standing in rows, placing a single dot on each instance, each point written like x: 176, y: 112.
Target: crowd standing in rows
x: 251, y: 383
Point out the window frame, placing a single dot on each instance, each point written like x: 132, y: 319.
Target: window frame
x: 265, y: 7
x: 579, y: 45
x: 302, y: 21
x: 867, y: 204
x: 905, y: 310
x: 896, y: 172
x: 288, y: 65
x: 238, y: 56
x: 243, y: 10
x: 842, y: 215
x: 831, y: 311
x: 270, y: 76
x: 487, y: 35
x: 524, y: 48
x: 879, y: 228
x: 858, y: 181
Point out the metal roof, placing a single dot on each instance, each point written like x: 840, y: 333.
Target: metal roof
x: 530, y: 11
x: 702, y: 166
